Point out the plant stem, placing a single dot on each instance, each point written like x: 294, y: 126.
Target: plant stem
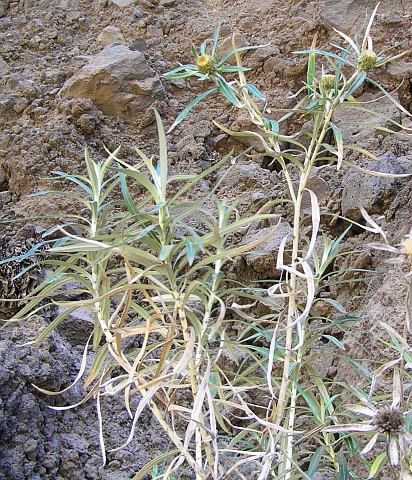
x: 310, y: 159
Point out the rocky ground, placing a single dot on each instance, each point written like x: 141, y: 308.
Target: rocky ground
x: 82, y: 72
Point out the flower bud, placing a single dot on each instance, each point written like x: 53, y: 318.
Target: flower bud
x: 367, y: 60
x: 326, y: 84
x: 406, y: 247
x: 205, y: 63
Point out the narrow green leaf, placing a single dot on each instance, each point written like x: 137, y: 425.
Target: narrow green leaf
x: 310, y: 74
x: 335, y: 341
x: 75, y: 179
x: 202, y: 48
x: 343, y: 467
x: 339, y: 144
x: 325, y: 54
x: 273, y: 125
x: 181, y: 68
x: 161, y: 458
x: 98, y: 362
x: 238, y: 50
x: 183, y: 114
x: 190, y: 251
x: 314, y: 462
x: 376, y: 464
x: 228, y: 91
x: 232, y: 69
x: 216, y: 39
x: 338, y: 306
x: 51, y: 326
x: 142, y: 180
x: 163, y: 166
x: 19, y: 258
x: 254, y: 91
x: 355, y: 86
x: 91, y: 170
x: 311, y: 402
x: 165, y: 252
x: 194, y: 52
x: 392, y: 99
x: 130, y: 205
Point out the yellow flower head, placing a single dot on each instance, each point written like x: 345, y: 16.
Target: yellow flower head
x: 367, y: 60
x: 204, y: 63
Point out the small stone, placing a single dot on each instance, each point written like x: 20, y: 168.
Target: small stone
x: 87, y: 123
x: 4, y: 182
x: 111, y: 35
x: 19, y: 104
x: 319, y: 187
x: 4, y: 5
x: 138, y: 12
x: 122, y: 3
x: 4, y: 67
x: 139, y: 44
x: 5, y: 197
x: 28, y: 4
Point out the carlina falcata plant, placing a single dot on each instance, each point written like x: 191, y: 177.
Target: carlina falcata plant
x: 303, y: 274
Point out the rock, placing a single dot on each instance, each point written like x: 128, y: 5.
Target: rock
x: 5, y: 198
x: 349, y: 15
x: 87, y: 123
x: 263, y: 257
x: 187, y: 147
x: 227, y: 45
x: 284, y: 66
x: 400, y: 70
x: 319, y: 187
x: 28, y: 4
x: 78, y: 326
x: 370, y: 192
x: 354, y: 123
x: 4, y: 5
x: 111, y: 35
x: 138, y: 12
x: 4, y: 67
x: 119, y: 82
x: 4, y: 181
x: 246, y: 177
x: 122, y: 3
x: 139, y: 44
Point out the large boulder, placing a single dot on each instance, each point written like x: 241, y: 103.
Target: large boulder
x: 373, y: 193
x: 118, y: 80
x: 349, y: 15
x: 355, y: 124
x: 262, y: 259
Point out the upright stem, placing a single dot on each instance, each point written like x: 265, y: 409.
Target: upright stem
x: 313, y: 150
